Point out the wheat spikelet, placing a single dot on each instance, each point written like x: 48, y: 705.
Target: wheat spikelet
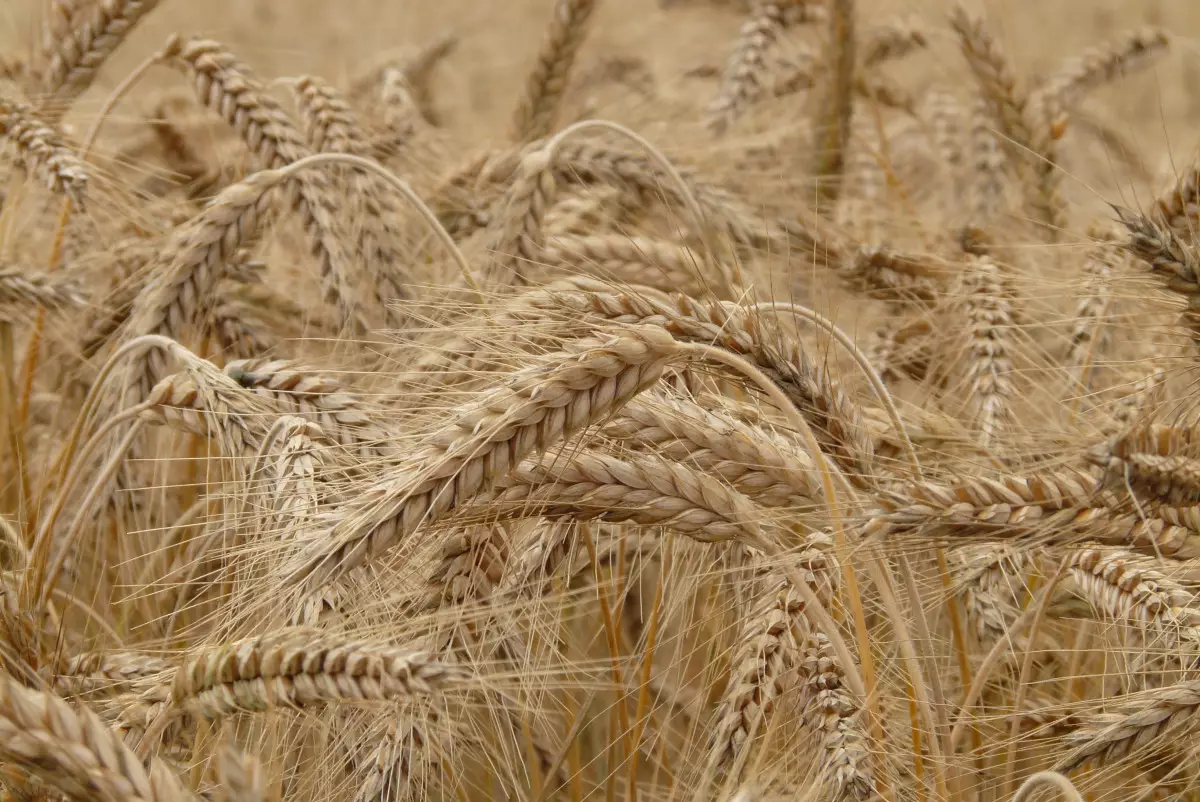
x: 546, y: 85
x: 240, y: 777
x: 77, y: 55
x: 299, y: 668
x: 42, y: 151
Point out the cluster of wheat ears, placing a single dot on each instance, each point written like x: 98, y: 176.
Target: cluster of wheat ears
x: 338, y: 464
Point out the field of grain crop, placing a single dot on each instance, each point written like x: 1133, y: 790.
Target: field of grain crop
x: 550, y: 400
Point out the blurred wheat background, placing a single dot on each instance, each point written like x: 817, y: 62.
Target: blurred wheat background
x: 599, y: 399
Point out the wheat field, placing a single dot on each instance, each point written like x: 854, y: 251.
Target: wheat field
x: 599, y: 399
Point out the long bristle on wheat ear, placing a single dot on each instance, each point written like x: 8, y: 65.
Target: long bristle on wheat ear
x: 301, y: 668
x: 73, y: 751
x: 42, y: 151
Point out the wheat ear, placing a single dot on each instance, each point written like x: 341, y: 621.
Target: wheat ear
x: 332, y: 127
x: 1098, y: 66
x: 988, y: 352
x: 74, y: 752
x: 544, y: 90
x: 1139, y: 721
x: 79, y: 53
x: 486, y: 438
x: 240, y: 775
x: 1171, y: 257
x: 299, y: 668
x: 226, y: 86
x: 836, y: 716
x: 42, y: 151
x: 1028, y: 137
x: 835, y: 104
x: 746, y: 70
